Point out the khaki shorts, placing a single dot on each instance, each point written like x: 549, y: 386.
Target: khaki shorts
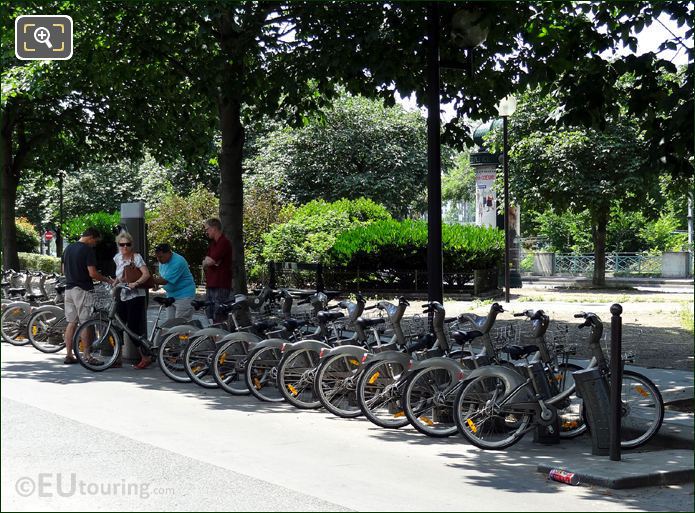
x: 78, y: 304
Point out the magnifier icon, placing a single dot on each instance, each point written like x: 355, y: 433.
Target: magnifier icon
x: 43, y: 36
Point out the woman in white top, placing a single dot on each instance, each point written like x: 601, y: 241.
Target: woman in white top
x: 132, y: 307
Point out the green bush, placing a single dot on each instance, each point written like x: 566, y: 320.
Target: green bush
x: 102, y: 221
x: 28, y: 238
x: 312, y: 229
x: 178, y: 221
x: 402, y: 245
x: 36, y: 262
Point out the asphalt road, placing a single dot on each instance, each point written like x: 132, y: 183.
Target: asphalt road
x: 128, y: 440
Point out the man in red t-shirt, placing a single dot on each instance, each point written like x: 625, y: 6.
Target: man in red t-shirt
x: 218, y: 267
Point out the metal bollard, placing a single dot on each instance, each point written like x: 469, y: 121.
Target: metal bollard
x: 593, y: 389
x: 616, y: 366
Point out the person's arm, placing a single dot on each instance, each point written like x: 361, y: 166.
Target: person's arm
x: 217, y: 253
x: 97, y: 276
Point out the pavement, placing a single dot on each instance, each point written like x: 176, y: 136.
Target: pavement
x: 177, y: 447
x: 618, y: 282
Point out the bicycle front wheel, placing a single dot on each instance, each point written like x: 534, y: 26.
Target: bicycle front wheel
x: 642, y: 410
x: 379, y: 394
x: 97, y: 345
x: 13, y: 325
x: 170, y: 357
x: 262, y: 373
x: 197, y: 360
x: 427, y: 402
x: 46, y: 331
x: 296, y: 372
x: 336, y: 385
x: 482, y: 420
x: 229, y: 365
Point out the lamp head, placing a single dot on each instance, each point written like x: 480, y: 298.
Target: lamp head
x: 506, y: 106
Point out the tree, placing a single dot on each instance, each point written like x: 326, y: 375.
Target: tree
x: 218, y: 64
x: 578, y: 169
x: 355, y: 147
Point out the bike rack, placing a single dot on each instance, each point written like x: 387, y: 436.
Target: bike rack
x: 592, y: 387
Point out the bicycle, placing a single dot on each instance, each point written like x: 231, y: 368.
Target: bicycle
x: 496, y: 407
x: 97, y: 342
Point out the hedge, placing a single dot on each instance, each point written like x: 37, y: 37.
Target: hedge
x: 391, y: 244
x: 36, y: 262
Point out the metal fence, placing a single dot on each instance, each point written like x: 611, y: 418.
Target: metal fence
x: 616, y: 263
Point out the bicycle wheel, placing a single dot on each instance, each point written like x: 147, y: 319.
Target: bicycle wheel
x: 170, y: 357
x: 572, y: 422
x: 335, y: 385
x: 229, y: 365
x: 427, y: 402
x: 262, y: 372
x: 97, y: 344
x: 296, y: 372
x: 379, y: 394
x: 642, y: 410
x: 480, y: 418
x: 46, y: 331
x: 13, y: 326
x: 197, y: 361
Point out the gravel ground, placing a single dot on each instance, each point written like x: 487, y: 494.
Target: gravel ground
x: 655, y: 325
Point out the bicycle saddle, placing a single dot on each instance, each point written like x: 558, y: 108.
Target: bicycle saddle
x: 262, y: 326
x: 35, y: 297
x: 17, y: 290
x: 166, y: 301
x: 60, y: 289
x: 329, y: 316
x: 293, y: 324
x: 361, y: 321
x: 519, y: 352
x: 465, y: 336
x: 426, y: 341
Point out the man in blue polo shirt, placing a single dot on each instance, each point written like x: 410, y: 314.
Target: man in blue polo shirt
x: 177, y: 280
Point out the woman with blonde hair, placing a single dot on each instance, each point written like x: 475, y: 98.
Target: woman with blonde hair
x: 132, y: 306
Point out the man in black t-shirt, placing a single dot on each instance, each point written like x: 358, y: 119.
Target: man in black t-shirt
x: 79, y: 267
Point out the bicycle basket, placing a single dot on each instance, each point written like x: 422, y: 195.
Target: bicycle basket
x: 102, y: 298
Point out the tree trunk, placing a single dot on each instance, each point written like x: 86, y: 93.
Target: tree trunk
x: 599, y: 235
x: 231, y: 185
x: 10, y: 259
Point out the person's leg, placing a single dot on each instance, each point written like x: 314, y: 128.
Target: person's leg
x: 222, y: 295
x: 211, y: 295
x: 137, y: 323
x: 84, y: 300
x: 71, y: 317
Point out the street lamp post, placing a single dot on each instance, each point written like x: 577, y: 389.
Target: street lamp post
x: 505, y: 109
x: 467, y: 32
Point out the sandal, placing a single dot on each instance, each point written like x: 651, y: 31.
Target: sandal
x: 69, y: 360
x: 93, y: 361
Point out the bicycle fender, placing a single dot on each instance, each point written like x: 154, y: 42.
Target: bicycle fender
x: 350, y: 350
x: 170, y: 323
x: 313, y: 345
x: 214, y: 333
x: 17, y: 310
x: 448, y: 364
x: 511, y: 378
x: 271, y: 342
x: 249, y: 338
x: 184, y: 329
x: 55, y: 310
x: 394, y: 356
